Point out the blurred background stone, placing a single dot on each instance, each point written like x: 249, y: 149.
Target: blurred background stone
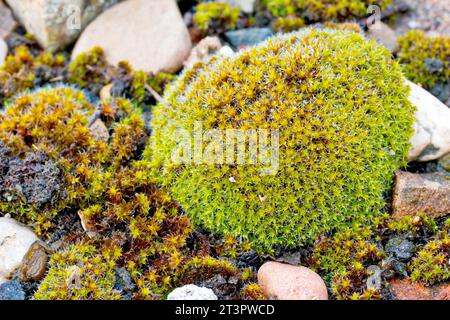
x: 149, y: 34
x: 57, y: 23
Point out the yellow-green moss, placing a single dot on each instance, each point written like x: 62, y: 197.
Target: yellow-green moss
x: 53, y: 122
x: 111, y: 190
x: 344, y: 124
x: 253, y: 291
x: 318, y: 10
x: 22, y: 70
x: 28, y: 68
x: 417, y: 50
x: 215, y: 16
x: 432, y: 263
x: 81, y: 272
x: 90, y: 70
x: 344, y: 259
x: 349, y: 26
x: 418, y: 225
x: 288, y: 24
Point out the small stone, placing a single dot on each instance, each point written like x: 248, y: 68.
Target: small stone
x: 413, y: 24
x: 285, y: 282
x: 34, y: 263
x: 433, y: 65
x: 149, y: 34
x: 56, y: 24
x: 428, y: 193
x: 441, y: 90
x: 11, y: 290
x: 402, y: 248
x: 226, y: 51
x: 247, y: 6
x: 384, y: 36
x: 248, y: 37
x: 250, y: 258
x: 192, y: 292
x: 99, y: 131
x: 15, y: 241
x: 105, y: 93
x: 407, y: 290
x: 124, y: 283
x: 7, y: 21
x: 431, y: 139
x: 294, y: 258
x: 391, y: 267
x: 203, y: 50
x: 3, y: 51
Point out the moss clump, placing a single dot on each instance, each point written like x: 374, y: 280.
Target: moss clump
x: 23, y: 70
x: 343, y: 121
x: 253, y: 291
x: 349, y: 258
x: 132, y: 224
x: 81, y: 272
x: 315, y: 10
x: 344, y: 259
x: 54, y: 124
x: 90, y: 70
x: 431, y: 265
x: 349, y: 26
x: 104, y: 183
x: 425, y: 60
x: 29, y: 68
x: 419, y: 225
x: 288, y: 24
x: 215, y: 16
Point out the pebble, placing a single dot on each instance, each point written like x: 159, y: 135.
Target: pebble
x: 247, y: 37
x: 384, y: 35
x: 124, y: 283
x: 3, y: 51
x: 7, y: 21
x: 431, y: 139
x: 285, y: 282
x: 15, y: 241
x: 192, y: 292
x: 441, y: 91
x: 428, y: 193
x: 99, y: 131
x: 203, y: 50
x: 56, y: 24
x: 407, y: 290
x: 402, y: 248
x: 105, y: 92
x: 11, y: 290
x: 433, y: 65
x: 34, y: 264
x: 246, y: 6
x: 149, y: 34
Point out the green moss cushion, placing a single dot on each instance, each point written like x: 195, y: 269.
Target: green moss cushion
x: 340, y: 109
